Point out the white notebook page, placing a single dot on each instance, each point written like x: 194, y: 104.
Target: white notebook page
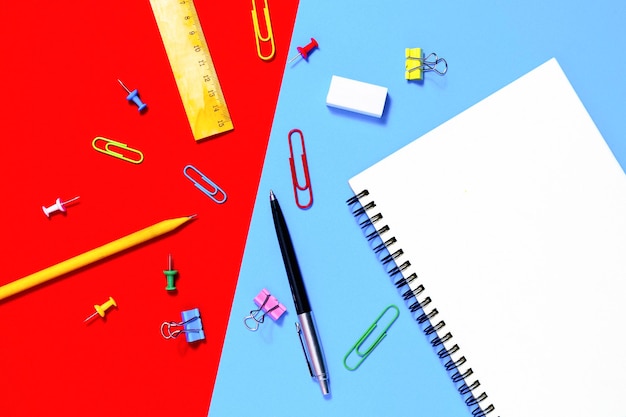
x: 513, y: 215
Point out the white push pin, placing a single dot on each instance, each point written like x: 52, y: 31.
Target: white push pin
x: 57, y: 206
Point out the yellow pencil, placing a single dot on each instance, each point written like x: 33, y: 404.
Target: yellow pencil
x: 92, y: 256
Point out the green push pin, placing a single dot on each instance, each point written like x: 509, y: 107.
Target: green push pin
x: 170, y: 275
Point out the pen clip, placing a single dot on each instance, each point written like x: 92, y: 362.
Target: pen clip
x: 306, y: 354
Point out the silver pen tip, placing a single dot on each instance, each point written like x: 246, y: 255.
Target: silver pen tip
x: 272, y: 196
x: 325, y: 387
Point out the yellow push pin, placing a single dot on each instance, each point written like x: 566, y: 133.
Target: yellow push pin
x: 101, y: 309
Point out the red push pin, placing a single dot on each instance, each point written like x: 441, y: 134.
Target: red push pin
x: 304, y: 51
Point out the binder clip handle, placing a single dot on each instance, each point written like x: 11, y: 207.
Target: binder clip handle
x: 432, y: 61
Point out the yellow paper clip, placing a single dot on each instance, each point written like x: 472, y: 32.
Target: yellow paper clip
x: 109, y: 145
x: 215, y: 193
x: 416, y: 65
x: 357, y: 348
x: 257, y: 32
x: 294, y: 174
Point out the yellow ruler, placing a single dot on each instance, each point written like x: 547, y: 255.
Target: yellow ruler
x: 193, y: 67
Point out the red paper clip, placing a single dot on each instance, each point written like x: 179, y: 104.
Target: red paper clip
x: 294, y: 174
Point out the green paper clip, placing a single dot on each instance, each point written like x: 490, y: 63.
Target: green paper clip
x: 357, y: 348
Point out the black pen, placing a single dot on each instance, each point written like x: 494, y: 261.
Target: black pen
x: 315, y: 356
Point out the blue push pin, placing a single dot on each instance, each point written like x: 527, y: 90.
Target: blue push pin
x: 134, y: 97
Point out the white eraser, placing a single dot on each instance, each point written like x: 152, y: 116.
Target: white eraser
x: 356, y: 96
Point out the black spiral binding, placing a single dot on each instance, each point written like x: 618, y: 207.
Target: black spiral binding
x: 378, y: 235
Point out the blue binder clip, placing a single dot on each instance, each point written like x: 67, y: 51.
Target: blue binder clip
x: 191, y: 325
x: 357, y: 349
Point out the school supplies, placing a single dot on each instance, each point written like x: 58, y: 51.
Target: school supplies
x: 102, y: 309
x: 123, y: 152
x: 92, y: 256
x: 268, y: 306
x: 387, y: 317
x: 170, y: 275
x: 58, y: 206
x: 356, y: 96
x: 305, y: 51
x: 193, y: 68
x: 133, y: 97
x: 258, y: 37
x: 303, y: 168
x: 510, y: 219
x: 204, y: 184
x: 306, y: 325
x: 191, y: 325
x: 416, y: 64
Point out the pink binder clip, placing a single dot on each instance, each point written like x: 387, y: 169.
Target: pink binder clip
x: 294, y: 175
x: 269, y: 305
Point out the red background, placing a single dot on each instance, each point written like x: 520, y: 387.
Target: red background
x: 60, y: 65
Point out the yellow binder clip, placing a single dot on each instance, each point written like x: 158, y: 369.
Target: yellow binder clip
x: 358, y: 350
x: 107, y: 146
x: 257, y: 32
x: 416, y: 65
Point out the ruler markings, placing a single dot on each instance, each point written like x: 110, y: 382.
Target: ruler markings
x: 193, y: 68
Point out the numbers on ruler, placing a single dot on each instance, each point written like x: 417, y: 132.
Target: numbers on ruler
x: 203, y: 64
x: 193, y: 67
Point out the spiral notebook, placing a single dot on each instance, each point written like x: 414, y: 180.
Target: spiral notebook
x: 506, y: 227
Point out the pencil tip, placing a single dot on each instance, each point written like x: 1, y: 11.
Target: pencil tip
x: 193, y: 216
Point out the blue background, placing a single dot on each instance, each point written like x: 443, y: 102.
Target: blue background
x: 487, y: 44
